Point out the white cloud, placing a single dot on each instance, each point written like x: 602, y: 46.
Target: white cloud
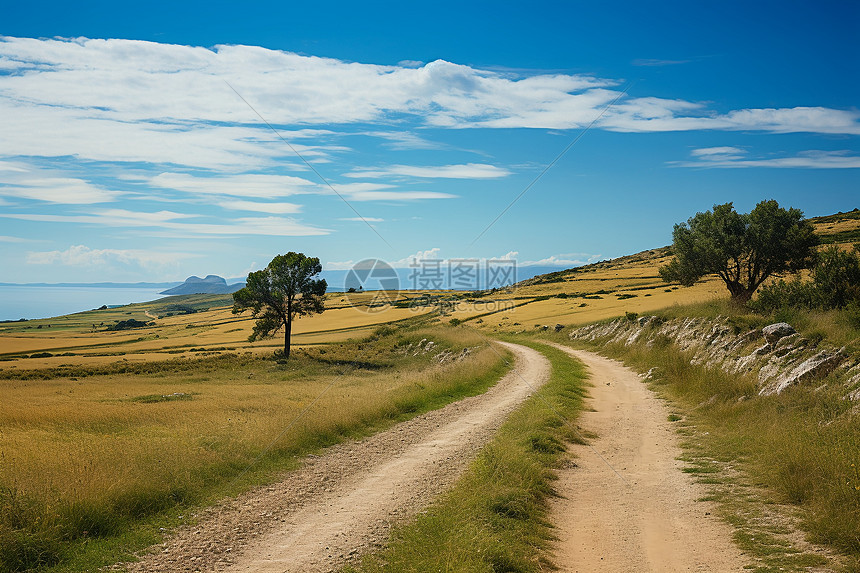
x: 272, y: 208
x: 404, y: 140
x: 655, y: 115
x: 707, y: 152
x: 8, y: 239
x: 398, y: 195
x: 339, y: 265
x: 467, y: 171
x: 83, y: 256
x: 123, y: 100
x: 509, y: 256
x: 171, y: 222
x: 243, y: 185
x: 9, y: 166
x: 429, y: 254
x: 359, y: 187
x: 648, y: 62
x: 366, y: 191
x: 61, y: 190
x: 360, y: 219
x: 798, y: 119
x: 804, y: 160
x: 564, y: 260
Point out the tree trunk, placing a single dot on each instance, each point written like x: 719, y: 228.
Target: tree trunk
x: 287, y: 329
x: 741, y: 294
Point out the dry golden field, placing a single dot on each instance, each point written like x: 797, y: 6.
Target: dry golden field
x: 194, y: 325
x: 99, y: 428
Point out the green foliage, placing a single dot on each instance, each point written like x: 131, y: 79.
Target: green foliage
x: 835, y: 284
x: 282, y: 291
x: 743, y: 249
x: 836, y: 276
x: 127, y: 324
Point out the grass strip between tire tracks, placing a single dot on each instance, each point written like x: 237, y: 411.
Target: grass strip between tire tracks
x: 494, y: 519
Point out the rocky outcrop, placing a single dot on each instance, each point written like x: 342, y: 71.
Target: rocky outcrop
x: 776, y: 354
x: 212, y: 284
x: 773, y: 332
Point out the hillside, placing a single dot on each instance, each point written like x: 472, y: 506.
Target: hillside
x: 212, y: 284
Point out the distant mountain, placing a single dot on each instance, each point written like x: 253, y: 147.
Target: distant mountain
x: 212, y: 284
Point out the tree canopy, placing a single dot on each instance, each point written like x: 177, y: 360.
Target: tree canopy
x: 282, y: 291
x: 742, y: 249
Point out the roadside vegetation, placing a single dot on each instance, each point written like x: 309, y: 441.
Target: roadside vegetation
x: 794, y: 455
x: 800, y: 448
x: 494, y: 518
x: 94, y: 463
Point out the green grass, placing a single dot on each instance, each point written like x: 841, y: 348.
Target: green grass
x: 93, y: 467
x: 495, y: 517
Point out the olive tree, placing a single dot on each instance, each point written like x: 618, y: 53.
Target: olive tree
x: 282, y: 291
x: 742, y: 249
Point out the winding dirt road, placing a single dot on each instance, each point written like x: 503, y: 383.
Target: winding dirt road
x: 343, y: 503
x: 647, y: 518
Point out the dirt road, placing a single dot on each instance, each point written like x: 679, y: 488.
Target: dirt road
x: 343, y: 503
x: 647, y: 519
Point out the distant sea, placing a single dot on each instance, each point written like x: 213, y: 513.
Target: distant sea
x: 50, y: 300
x: 32, y: 302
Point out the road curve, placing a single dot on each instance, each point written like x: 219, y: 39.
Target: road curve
x: 343, y: 503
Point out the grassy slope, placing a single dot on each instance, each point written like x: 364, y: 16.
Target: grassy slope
x: 94, y: 462
x: 494, y: 519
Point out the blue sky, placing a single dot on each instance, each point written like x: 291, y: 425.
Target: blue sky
x: 132, y: 146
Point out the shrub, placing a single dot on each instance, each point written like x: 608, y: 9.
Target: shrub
x: 836, y: 277
x: 835, y: 284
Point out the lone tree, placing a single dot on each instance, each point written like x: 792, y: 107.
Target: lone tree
x: 743, y: 249
x: 285, y: 289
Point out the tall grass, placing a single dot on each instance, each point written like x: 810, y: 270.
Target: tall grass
x: 494, y: 519
x: 85, y: 460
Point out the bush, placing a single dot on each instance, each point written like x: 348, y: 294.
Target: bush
x: 835, y: 284
x: 836, y: 277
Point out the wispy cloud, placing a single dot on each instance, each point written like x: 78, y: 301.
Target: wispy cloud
x: 404, y: 140
x: 272, y: 208
x: 564, y: 260
x: 359, y: 219
x: 175, y: 223
x: 83, y: 256
x: 61, y: 190
x: 649, y: 62
x: 398, y: 195
x: 735, y: 158
x: 722, y: 152
x: 467, y: 171
x: 254, y: 185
